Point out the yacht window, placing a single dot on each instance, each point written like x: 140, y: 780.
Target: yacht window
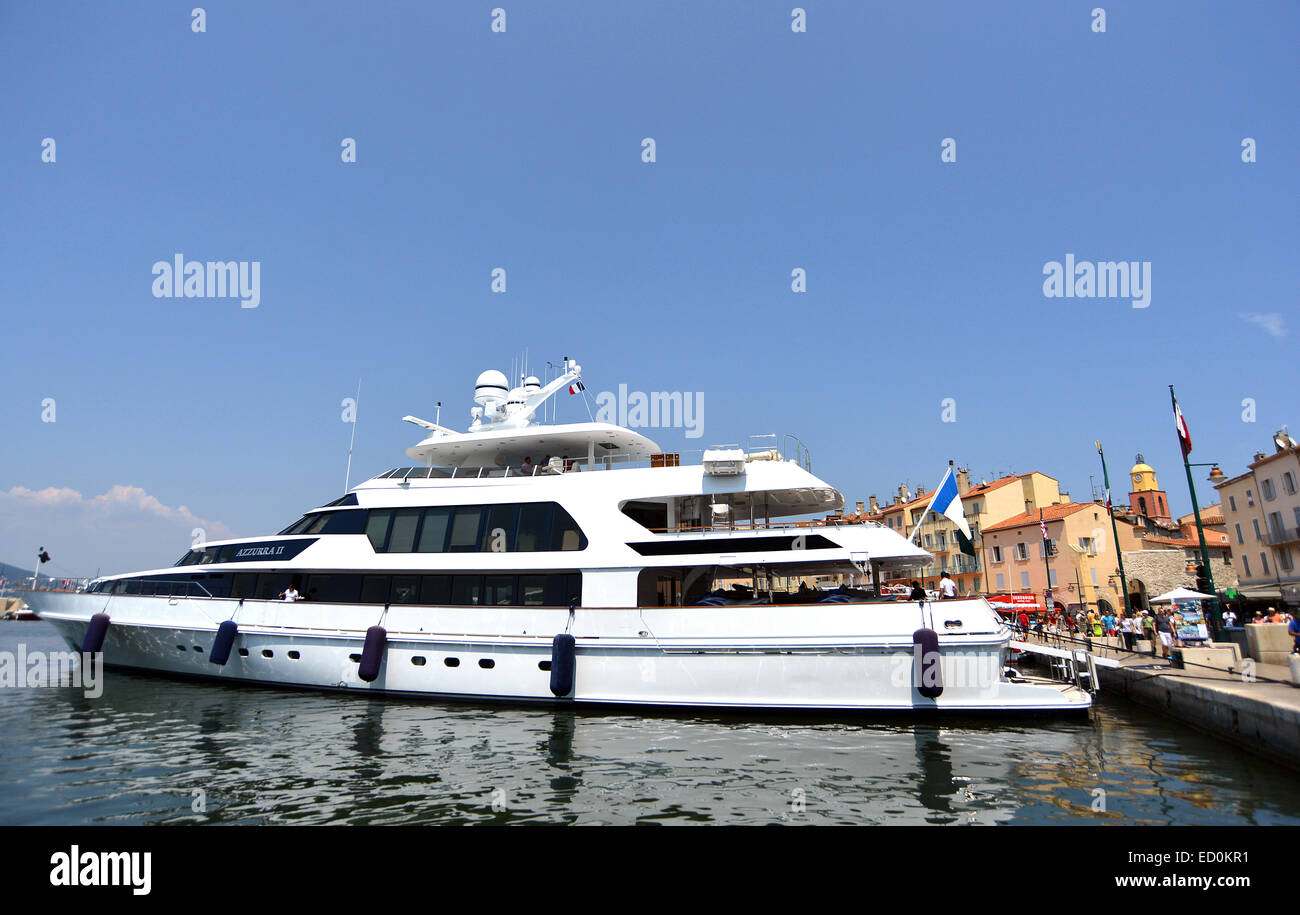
x: 318, y: 522
x: 345, y: 522
x: 377, y: 529
x: 374, y: 589
x: 532, y: 590
x: 406, y: 589
x: 500, y: 518
x: 500, y: 590
x: 244, y: 585
x: 465, y: 526
x: 652, y: 515
x: 270, y: 585
x: 435, y: 589
x: 565, y: 533
x: 402, y: 539
x: 433, y: 535
x: 300, y: 525
x: 467, y: 590
x: 534, y: 527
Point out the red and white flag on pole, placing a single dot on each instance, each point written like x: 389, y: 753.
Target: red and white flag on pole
x: 1184, y: 437
x: 1043, y: 524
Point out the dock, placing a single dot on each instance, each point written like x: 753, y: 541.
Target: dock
x: 1253, y: 705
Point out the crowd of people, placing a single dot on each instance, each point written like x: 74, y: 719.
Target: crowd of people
x: 1160, y: 627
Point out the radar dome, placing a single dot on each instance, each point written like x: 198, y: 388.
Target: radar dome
x: 491, y: 386
x: 532, y: 385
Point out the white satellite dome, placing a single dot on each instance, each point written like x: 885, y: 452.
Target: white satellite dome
x: 532, y: 384
x: 490, y: 387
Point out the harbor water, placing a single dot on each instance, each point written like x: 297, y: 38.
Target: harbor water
x: 158, y: 751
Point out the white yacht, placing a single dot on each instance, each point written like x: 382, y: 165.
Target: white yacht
x: 568, y: 563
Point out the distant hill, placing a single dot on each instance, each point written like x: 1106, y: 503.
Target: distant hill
x: 16, y: 575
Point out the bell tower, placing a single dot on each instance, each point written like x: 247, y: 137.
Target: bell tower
x: 1147, y: 498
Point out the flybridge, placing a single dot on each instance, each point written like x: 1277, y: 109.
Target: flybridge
x: 501, y: 436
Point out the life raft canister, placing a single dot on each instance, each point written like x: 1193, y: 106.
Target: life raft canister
x: 929, y: 675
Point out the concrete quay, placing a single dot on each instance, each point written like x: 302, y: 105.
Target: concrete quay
x: 1260, y: 714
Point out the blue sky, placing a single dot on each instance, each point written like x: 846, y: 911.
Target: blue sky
x: 522, y: 150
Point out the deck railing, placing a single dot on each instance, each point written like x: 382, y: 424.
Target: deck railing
x: 757, y: 447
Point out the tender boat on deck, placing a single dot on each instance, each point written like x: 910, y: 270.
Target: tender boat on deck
x: 573, y: 564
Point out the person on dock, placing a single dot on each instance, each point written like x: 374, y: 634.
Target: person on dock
x: 1149, y: 630
x: 1126, y: 630
x: 1293, y: 629
x: 1165, y: 630
x: 947, y: 587
x: 1229, y: 619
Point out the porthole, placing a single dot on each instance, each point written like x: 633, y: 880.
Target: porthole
x: 543, y: 665
x: 293, y: 656
x: 486, y: 663
x: 180, y: 647
x: 198, y: 647
x: 451, y: 662
x: 243, y: 652
x: 418, y: 661
x: 354, y: 658
x: 268, y: 653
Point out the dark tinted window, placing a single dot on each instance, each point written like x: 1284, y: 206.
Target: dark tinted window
x: 374, y: 589
x: 402, y: 538
x: 377, y: 528
x: 465, y: 524
x: 435, y: 589
x: 270, y: 585
x: 406, y: 589
x: 300, y: 525
x: 562, y: 588
x: 499, y: 590
x: 467, y: 590
x: 217, y: 583
x: 534, y: 527
x: 565, y: 533
x: 245, y: 584
x: 433, y: 533
x: 499, y: 531
x: 532, y: 590
x: 345, y: 522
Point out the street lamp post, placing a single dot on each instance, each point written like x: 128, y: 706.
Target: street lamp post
x: 1114, y: 530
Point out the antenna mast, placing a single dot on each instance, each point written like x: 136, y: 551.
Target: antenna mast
x: 356, y: 407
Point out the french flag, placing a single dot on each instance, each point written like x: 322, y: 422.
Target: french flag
x: 576, y: 387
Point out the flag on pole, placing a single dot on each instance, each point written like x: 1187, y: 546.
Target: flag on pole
x: 947, y: 502
x: 1184, y: 436
x: 1043, y: 526
x: 576, y: 387
x: 1108, y: 499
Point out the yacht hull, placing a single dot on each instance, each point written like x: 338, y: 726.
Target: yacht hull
x: 836, y: 657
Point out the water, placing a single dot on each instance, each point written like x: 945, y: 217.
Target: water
x: 153, y: 751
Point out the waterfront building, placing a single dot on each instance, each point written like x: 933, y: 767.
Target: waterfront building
x: 983, y: 504
x: 1261, y: 511
x: 1077, y: 563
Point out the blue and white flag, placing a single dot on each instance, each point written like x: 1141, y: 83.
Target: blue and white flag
x: 947, y: 502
